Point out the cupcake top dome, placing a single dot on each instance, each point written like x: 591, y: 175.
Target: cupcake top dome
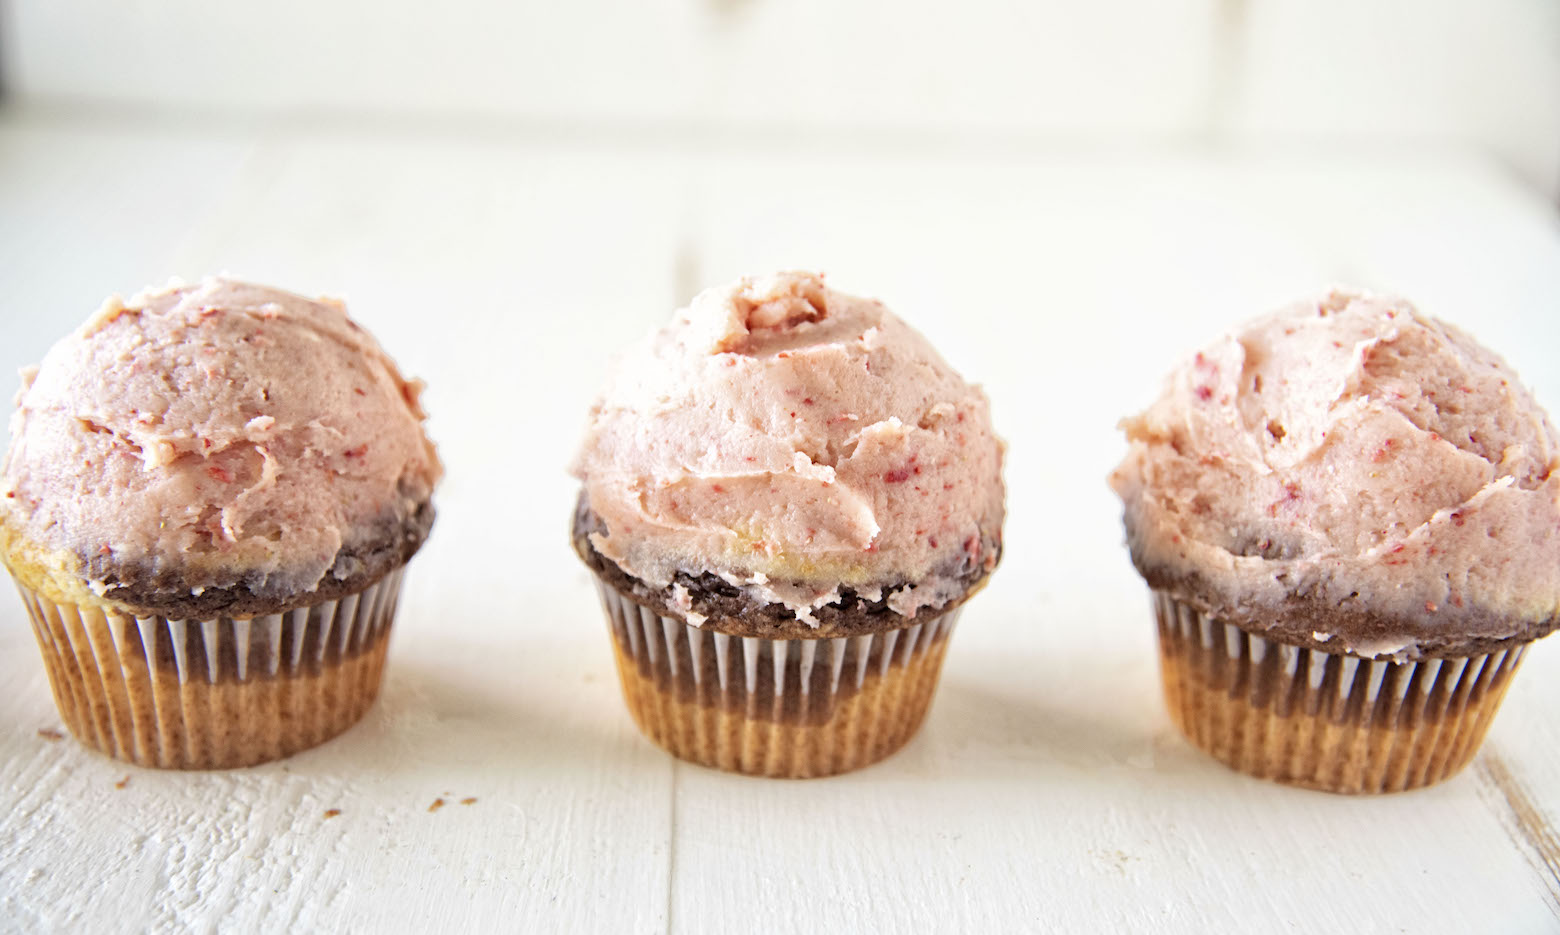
x: 216, y: 436
x: 793, y: 440
x: 1354, y: 474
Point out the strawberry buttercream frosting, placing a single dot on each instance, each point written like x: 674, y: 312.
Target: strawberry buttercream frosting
x: 1353, y: 475
x: 794, y: 440
x: 215, y: 435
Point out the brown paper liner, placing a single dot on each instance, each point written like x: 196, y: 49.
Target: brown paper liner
x: 214, y: 694
x: 788, y: 708
x: 1325, y: 721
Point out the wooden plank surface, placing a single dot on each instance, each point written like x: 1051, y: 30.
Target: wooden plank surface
x: 1047, y: 789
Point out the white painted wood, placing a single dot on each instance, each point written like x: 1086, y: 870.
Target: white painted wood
x: 594, y: 58
x: 1274, y: 73
x: 86, y: 212
x: 1427, y: 73
x: 480, y: 268
x: 1117, y: 65
x: 1047, y: 790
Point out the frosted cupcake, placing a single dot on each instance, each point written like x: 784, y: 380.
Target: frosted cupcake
x: 787, y: 498
x: 1347, y: 513
x: 209, y: 497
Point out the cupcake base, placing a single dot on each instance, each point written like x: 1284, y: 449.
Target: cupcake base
x: 218, y: 693
x: 1326, y: 721
x: 791, y: 708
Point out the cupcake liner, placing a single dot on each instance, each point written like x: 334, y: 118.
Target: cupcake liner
x: 791, y: 708
x: 1325, y: 721
x: 218, y: 693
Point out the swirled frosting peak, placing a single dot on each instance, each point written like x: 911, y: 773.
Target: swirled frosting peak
x: 793, y: 440
x: 215, y: 435
x: 1355, y: 472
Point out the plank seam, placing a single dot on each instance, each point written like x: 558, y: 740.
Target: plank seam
x: 671, y: 847
x: 1524, y: 821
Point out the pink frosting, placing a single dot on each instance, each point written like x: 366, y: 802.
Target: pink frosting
x: 793, y: 440
x: 228, y: 431
x: 1355, y: 451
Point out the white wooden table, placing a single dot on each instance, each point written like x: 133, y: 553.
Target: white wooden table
x: 1047, y: 790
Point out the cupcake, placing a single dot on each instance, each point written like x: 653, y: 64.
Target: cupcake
x: 1347, y: 515
x: 209, y: 497
x: 787, y: 497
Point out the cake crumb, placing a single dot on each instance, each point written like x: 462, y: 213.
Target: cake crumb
x: 123, y: 782
x: 49, y: 733
x: 437, y: 804
x: 332, y: 812
x: 469, y: 800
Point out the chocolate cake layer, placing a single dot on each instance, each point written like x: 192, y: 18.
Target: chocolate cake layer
x: 218, y: 693
x: 779, y: 680
x: 165, y: 594
x: 792, y: 708
x: 731, y: 612
x: 1325, y: 720
x: 1298, y: 621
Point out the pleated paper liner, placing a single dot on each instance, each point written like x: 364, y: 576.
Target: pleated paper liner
x: 789, y: 708
x: 1322, y: 720
x: 214, y: 694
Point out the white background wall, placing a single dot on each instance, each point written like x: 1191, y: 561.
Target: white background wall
x: 1023, y: 75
